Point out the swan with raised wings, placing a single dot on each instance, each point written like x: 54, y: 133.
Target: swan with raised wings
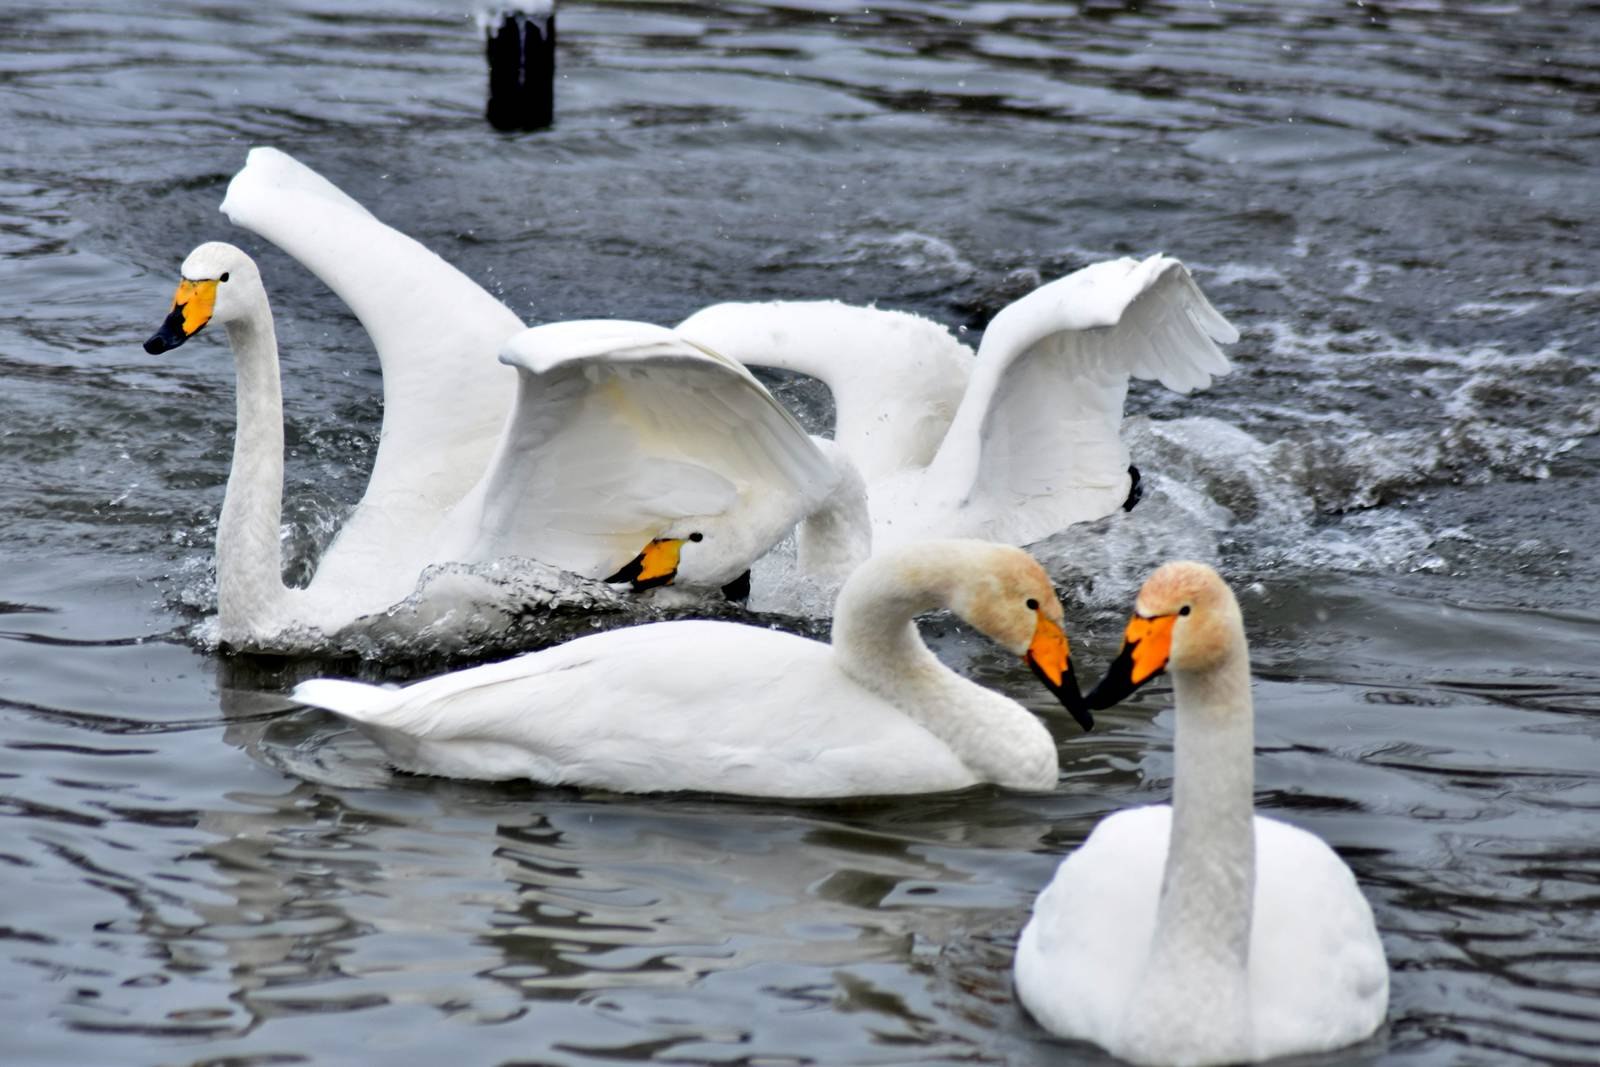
x: 727, y: 708
x: 1016, y: 443
x: 1201, y: 933
x: 609, y: 436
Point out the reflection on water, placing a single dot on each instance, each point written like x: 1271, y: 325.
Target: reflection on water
x: 1393, y: 201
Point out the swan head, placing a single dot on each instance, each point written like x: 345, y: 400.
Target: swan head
x: 689, y: 557
x: 217, y: 283
x: 1012, y: 601
x: 701, y: 552
x: 1185, y: 619
x: 657, y: 563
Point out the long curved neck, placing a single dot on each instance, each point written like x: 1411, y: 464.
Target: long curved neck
x: 1199, y: 958
x: 249, y: 557
x: 875, y: 638
x: 837, y: 537
x: 876, y: 643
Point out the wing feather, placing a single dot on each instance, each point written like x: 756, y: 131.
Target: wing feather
x: 619, y: 429
x: 1037, y: 442
x: 896, y: 378
x: 435, y: 330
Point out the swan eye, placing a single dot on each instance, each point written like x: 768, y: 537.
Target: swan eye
x: 1184, y: 610
x: 224, y: 277
x: 697, y: 537
x: 1033, y: 605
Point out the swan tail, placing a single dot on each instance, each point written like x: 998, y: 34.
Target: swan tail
x: 353, y: 700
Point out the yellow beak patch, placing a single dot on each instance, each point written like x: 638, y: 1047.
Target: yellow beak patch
x: 1048, y: 650
x: 196, y: 300
x: 1151, y: 643
x: 656, y: 565
x: 659, y: 560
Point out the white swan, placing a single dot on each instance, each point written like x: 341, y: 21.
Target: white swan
x: 1201, y: 933
x: 375, y: 560
x: 436, y: 333
x: 722, y: 707
x: 622, y: 435
x: 1015, y: 444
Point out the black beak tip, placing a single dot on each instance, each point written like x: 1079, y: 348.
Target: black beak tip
x: 628, y: 572
x: 156, y: 345
x: 1067, y: 693
x: 1099, y: 700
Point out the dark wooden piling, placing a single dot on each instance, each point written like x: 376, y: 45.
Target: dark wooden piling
x: 521, y: 49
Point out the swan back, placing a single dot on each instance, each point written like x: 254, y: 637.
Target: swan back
x: 706, y: 706
x: 1317, y: 981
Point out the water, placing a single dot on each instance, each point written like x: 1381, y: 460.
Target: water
x: 1394, y: 202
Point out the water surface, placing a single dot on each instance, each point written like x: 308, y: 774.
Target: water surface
x: 1394, y: 202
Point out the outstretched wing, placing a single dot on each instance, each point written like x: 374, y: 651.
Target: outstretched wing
x: 1037, y: 441
x: 620, y: 429
x: 896, y: 378
x: 436, y: 332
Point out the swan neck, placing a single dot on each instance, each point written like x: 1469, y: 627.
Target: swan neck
x: 249, y: 554
x: 876, y: 644
x: 875, y: 635
x: 837, y: 536
x: 1202, y: 933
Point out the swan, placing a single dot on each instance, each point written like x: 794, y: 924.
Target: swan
x: 728, y: 708
x: 621, y: 435
x: 1201, y: 933
x: 1015, y: 443
x: 435, y: 332
x: 600, y: 439
x: 445, y: 397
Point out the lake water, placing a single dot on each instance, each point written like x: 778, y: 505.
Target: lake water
x: 1395, y: 202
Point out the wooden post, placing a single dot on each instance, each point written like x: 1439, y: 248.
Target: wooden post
x: 521, y: 48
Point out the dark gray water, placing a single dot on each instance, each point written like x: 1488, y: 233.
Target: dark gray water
x: 1395, y: 202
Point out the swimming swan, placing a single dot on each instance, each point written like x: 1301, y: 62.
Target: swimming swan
x: 722, y: 707
x: 636, y: 415
x: 1201, y: 933
x: 622, y: 436
x: 445, y: 397
x: 1014, y: 444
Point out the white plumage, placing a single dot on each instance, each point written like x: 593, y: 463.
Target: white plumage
x: 1200, y: 933
x: 623, y: 432
x: 618, y: 432
x: 1016, y: 443
x: 1317, y: 977
x: 728, y: 708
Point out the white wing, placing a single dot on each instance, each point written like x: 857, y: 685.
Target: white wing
x: 435, y: 330
x: 622, y: 429
x: 896, y: 378
x: 1037, y: 442
x: 1318, y: 976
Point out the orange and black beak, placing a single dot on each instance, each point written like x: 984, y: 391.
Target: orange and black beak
x: 656, y: 565
x: 191, y: 309
x: 1146, y: 646
x: 1051, y: 661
